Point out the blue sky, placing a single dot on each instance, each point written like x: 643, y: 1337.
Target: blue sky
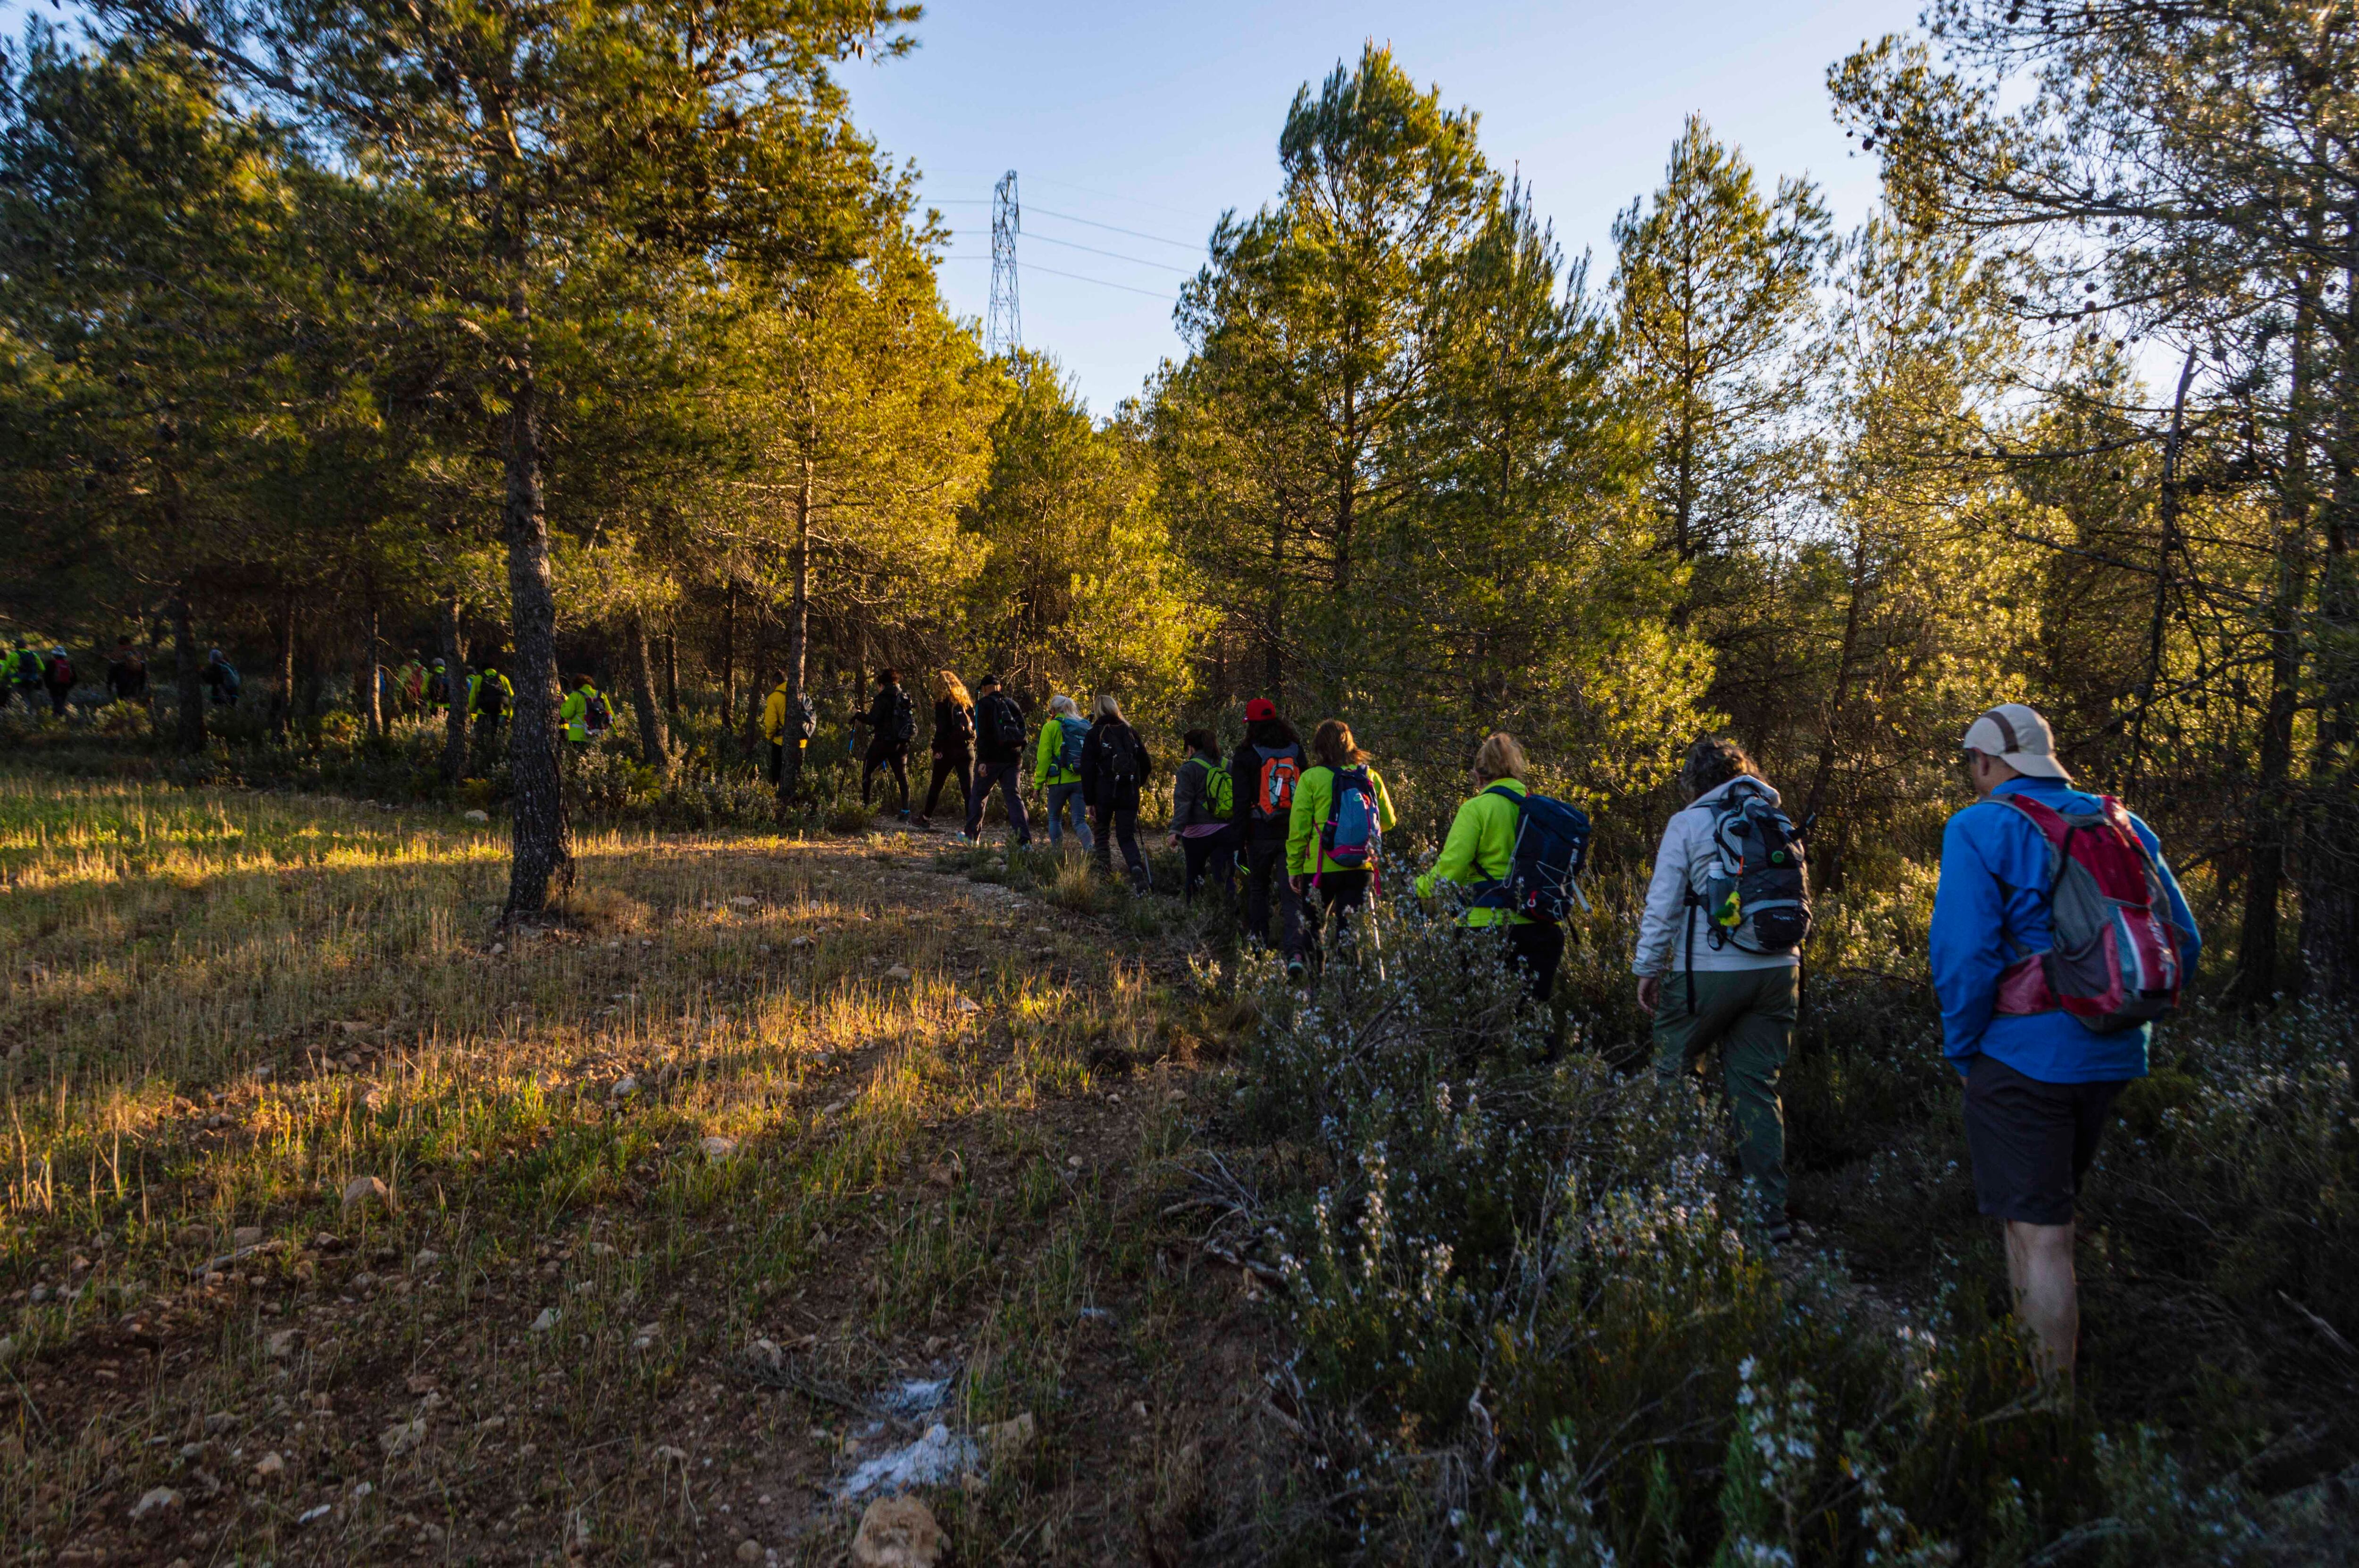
x: 1153, y: 118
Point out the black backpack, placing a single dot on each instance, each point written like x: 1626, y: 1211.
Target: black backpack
x: 1756, y: 896
x: 1006, y: 725
x: 595, y: 714
x: 488, y: 697
x: 904, y: 720
x: 806, y: 716
x: 962, y: 735
x: 1121, y: 756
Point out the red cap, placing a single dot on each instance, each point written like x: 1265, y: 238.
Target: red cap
x: 1260, y: 708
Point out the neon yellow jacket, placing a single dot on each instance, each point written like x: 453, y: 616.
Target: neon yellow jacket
x: 773, y: 716
x: 574, y: 714
x: 1048, y: 756
x: 475, y: 684
x: 1314, y: 796
x: 1481, y: 846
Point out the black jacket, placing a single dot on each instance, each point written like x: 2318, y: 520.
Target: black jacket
x: 953, y: 728
x: 880, y: 718
x: 1098, y: 783
x: 998, y: 710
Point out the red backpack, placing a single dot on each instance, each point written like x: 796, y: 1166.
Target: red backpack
x: 2115, y: 962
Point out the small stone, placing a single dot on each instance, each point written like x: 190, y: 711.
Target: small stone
x: 898, y: 1532
x: 897, y: 972
x: 749, y: 1551
x: 742, y: 901
x: 767, y: 1353
x: 801, y: 941
x: 8, y: 1348
x: 625, y: 1087
x: 269, y: 1467
x: 363, y: 1193
x: 479, y: 817
x: 246, y: 1236
x: 157, y: 1502
x: 545, y: 1321
x: 1074, y: 1161
x: 669, y: 1454
x: 966, y: 1004
x: 719, y: 1148
x: 498, y: 948
x: 424, y: 1260
x: 281, y: 1344
x: 1012, y: 1437
x: 401, y: 1438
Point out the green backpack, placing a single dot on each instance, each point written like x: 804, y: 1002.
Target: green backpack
x: 1220, y: 789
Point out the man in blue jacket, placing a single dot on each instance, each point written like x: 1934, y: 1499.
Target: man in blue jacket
x: 2040, y: 1086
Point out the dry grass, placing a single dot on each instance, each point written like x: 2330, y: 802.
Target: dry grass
x: 224, y: 1008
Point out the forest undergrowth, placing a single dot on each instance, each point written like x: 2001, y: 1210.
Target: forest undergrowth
x: 759, y: 1126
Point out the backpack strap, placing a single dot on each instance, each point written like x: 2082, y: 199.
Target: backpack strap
x: 2054, y: 831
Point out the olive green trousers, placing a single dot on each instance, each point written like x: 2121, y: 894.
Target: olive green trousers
x: 1749, y: 1014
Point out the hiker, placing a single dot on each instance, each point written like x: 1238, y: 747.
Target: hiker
x: 1730, y: 955
x: 409, y: 686
x: 1266, y: 766
x: 1114, y: 765
x: 2036, y: 877
x: 58, y: 675
x: 126, y: 672
x: 787, y: 714
x: 953, y: 742
x: 999, y: 760
x: 1057, y: 769
x: 1480, y: 853
x: 221, y: 678
x: 585, y: 713
x: 892, y: 721
x: 1335, y: 837
x: 24, y: 670
x: 1203, y: 807
x: 489, y: 697
x: 437, y: 687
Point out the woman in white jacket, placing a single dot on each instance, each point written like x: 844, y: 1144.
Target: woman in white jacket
x: 1719, y: 994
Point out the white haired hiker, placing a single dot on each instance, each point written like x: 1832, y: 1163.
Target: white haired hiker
x: 1057, y: 768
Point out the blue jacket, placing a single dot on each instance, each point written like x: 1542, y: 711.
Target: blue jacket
x: 1995, y: 886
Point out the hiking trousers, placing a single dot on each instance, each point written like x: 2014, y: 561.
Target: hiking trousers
x: 1749, y: 1014
x: 886, y: 754
x: 1065, y: 800
x: 1114, y: 822
x: 1008, y: 777
x: 1213, y: 854
x: 1265, y: 875
x: 1333, y: 898
x: 951, y: 765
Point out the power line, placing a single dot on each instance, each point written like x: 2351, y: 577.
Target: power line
x: 1102, y: 282
x: 1142, y: 261
x: 1109, y: 196
x: 1116, y: 228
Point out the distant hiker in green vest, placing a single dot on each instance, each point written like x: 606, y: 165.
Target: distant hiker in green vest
x: 1203, y: 807
x: 25, y: 673
x: 1057, y: 769
x: 1335, y: 837
x: 584, y: 712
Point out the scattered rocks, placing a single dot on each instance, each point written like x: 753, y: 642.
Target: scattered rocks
x: 547, y: 1320
x: 749, y: 1551
x: 363, y: 1193
x: 425, y: 1259
x: 245, y: 1235
x: 400, y: 1439
x: 898, y: 1532
x: 719, y: 1148
x: 479, y: 816
x: 625, y: 1087
x: 280, y: 1343
x: 269, y: 1467
x: 157, y: 1503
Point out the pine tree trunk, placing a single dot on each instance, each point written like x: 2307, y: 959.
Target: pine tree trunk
x: 454, y: 667
x: 671, y: 677
x: 190, y: 735
x: 798, y: 623
x: 655, y: 746
x: 729, y: 658
x: 2329, y: 871
x: 543, y: 846
x: 282, y: 707
x: 368, y: 692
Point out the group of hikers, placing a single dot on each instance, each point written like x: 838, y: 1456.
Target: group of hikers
x: 2059, y: 931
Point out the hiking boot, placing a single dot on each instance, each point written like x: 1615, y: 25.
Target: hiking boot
x: 1778, y: 1231
x: 1296, y: 971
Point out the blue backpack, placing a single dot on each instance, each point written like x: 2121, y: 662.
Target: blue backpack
x: 1551, y: 847
x: 1074, y: 732
x: 1351, y: 840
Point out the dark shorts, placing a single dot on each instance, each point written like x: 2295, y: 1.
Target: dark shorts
x: 2030, y: 1142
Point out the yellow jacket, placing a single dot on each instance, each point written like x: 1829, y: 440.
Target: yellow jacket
x: 1481, y: 849
x: 1314, y: 797
x: 773, y: 716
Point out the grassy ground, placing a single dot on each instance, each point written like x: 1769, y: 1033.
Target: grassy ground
x: 671, y: 1188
